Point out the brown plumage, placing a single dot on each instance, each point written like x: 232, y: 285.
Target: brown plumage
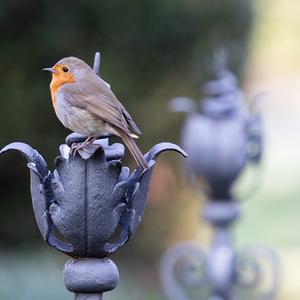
x: 85, y: 103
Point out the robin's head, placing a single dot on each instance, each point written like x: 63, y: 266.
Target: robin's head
x: 68, y: 70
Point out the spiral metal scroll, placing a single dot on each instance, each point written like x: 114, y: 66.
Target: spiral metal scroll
x: 183, y: 272
x: 257, y: 274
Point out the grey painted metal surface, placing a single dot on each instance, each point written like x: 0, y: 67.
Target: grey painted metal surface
x: 95, y: 204
x: 89, y: 278
x: 221, y: 136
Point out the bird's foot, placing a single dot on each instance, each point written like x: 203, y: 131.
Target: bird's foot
x: 81, y: 146
x: 75, y: 148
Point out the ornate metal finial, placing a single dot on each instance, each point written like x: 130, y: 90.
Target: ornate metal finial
x: 218, y: 138
x: 222, y: 130
x: 86, y: 198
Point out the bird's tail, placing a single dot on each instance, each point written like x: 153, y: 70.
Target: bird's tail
x: 134, y: 149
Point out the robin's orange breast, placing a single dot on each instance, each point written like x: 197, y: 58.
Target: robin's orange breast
x: 58, y: 80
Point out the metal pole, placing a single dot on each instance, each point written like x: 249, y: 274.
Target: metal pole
x: 88, y: 297
x: 221, y: 257
x: 96, y: 65
x: 218, y: 134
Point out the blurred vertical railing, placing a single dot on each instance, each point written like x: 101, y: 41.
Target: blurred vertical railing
x: 220, y: 136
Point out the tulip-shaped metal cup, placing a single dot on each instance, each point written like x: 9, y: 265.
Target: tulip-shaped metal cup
x: 86, y: 200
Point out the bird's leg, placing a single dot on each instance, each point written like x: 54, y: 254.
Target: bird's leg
x: 80, y: 146
x: 92, y: 140
x: 88, y: 141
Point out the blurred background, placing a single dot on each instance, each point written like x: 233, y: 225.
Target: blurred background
x: 151, y: 51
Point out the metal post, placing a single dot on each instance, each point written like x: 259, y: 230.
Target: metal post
x: 87, y: 198
x: 221, y: 136
x: 220, y: 263
x: 97, y: 61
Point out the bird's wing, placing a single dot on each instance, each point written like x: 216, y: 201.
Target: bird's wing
x: 112, y: 100
x: 101, y: 102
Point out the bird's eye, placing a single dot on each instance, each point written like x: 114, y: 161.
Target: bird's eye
x: 65, y: 69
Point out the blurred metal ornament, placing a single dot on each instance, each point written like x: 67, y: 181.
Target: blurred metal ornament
x: 93, y: 202
x: 217, y: 137
x: 221, y: 136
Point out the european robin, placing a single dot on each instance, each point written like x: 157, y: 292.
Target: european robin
x: 85, y: 103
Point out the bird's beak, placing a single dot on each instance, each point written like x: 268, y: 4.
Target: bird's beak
x: 51, y: 70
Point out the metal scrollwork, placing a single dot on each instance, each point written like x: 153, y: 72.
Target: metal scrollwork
x: 257, y: 270
x: 183, y: 271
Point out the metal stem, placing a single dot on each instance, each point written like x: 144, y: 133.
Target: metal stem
x: 223, y: 254
x: 88, y: 297
x: 221, y: 259
x: 96, y: 66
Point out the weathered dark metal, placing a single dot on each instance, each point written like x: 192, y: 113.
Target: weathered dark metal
x: 86, y: 199
x: 93, y: 202
x: 90, y: 278
x: 220, y: 136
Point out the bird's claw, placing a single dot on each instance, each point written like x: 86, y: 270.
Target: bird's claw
x: 75, y: 147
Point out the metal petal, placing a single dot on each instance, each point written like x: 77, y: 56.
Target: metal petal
x: 41, y: 192
x: 31, y: 155
x: 138, y: 188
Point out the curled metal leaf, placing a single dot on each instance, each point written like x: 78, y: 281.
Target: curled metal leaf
x: 86, y: 198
